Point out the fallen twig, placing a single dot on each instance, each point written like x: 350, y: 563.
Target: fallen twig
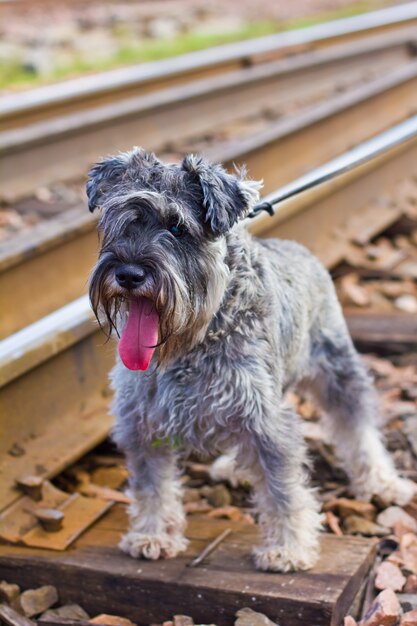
x: 211, y: 547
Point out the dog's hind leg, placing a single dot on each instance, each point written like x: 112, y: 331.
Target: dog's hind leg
x: 342, y: 387
x: 273, y: 455
x: 157, y: 519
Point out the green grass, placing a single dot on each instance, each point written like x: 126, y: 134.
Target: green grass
x: 13, y: 76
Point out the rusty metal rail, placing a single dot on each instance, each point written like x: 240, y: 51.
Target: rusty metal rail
x: 60, y: 253
x: 53, y: 395
x: 119, y: 84
x: 62, y: 148
x: 62, y: 360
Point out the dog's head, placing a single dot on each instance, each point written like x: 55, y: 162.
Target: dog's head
x: 162, y: 263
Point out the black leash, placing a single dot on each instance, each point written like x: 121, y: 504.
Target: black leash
x: 263, y: 206
x: 359, y: 155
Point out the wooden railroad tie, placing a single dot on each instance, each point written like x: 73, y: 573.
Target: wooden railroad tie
x: 223, y: 582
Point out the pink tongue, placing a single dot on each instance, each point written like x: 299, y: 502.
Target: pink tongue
x: 139, y: 335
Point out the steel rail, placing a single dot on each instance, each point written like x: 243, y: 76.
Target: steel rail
x: 53, y: 395
x: 60, y: 253
x: 62, y: 148
x: 62, y: 361
x: 119, y: 83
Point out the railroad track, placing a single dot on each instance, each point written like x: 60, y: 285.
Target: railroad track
x: 62, y: 359
x: 91, y: 91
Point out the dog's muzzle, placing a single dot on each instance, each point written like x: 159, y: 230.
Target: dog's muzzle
x: 130, y: 276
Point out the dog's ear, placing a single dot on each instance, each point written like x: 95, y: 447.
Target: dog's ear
x: 226, y: 198
x: 134, y: 165
x: 102, y: 176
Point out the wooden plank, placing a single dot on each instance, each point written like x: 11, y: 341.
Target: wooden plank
x: 212, y: 592
x: 382, y: 332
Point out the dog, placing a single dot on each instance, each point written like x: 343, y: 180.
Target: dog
x: 215, y: 327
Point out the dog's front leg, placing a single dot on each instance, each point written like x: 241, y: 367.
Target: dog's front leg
x: 157, y: 519
x: 288, y: 512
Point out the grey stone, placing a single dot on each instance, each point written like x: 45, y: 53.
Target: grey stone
x: 396, y: 515
x: 36, y: 601
x: 248, y: 617
x: 183, y: 620
x: 67, y: 611
x: 408, y: 601
x: 219, y: 496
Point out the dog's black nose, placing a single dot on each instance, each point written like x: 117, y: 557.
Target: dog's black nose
x: 130, y: 276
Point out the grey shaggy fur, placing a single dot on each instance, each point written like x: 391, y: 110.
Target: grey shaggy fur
x: 242, y: 320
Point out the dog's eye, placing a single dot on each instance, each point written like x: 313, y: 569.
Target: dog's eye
x: 177, y: 230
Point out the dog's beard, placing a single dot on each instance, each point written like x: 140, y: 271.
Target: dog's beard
x: 144, y: 319
x: 171, y: 316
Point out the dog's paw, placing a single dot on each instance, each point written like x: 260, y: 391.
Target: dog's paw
x: 389, y: 490
x: 141, y: 545
x: 280, y: 559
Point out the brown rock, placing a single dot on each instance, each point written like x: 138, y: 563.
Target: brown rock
x: 36, y: 601
x: 411, y: 584
x: 408, y: 549
x: 8, y: 592
x: 346, y: 507
x: 205, y: 491
x: 409, y: 618
x: 355, y: 525
x: 396, y: 515
x: 112, y: 477
x: 191, y: 495
x: 104, y: 493
x: 219, y: 496
x: 389, y: 576
x: 197, y: 507
x: 198, y: 470
x: 385, y: 610
x: 228, y: 512
x: 183, y: 620
x: 111, y: 620
x: 248, y: 617
x: 352, y: 292
x: 399, y: 530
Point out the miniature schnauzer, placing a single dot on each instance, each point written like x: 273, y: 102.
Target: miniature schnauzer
x: 224, y: 323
